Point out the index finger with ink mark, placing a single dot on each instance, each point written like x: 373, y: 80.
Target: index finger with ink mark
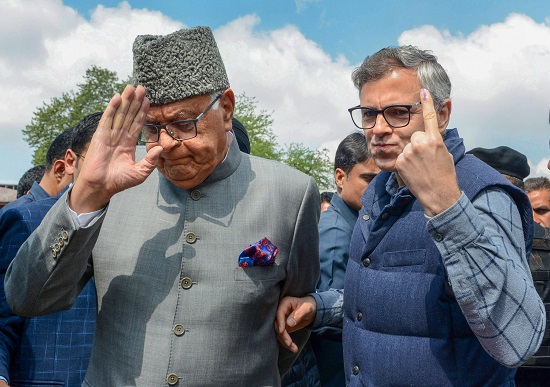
x: 429, y: 113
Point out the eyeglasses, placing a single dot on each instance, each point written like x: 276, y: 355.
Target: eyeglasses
x: 396, y: 116
x: 79, y: 155
x: 178, y: 130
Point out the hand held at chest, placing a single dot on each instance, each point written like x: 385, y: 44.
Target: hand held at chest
x: 426, y: 167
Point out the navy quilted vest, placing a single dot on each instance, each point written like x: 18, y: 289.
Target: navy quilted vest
x: 402, y: 325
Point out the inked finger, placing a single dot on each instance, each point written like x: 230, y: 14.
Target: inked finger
x: 429, y: 113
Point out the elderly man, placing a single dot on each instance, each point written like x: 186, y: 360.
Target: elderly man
x: 190, y: 262
x: 438, y: 287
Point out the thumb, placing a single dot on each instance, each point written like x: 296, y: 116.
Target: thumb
x: 149, y: 162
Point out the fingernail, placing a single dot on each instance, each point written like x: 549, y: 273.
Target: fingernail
x: 424, y: 94
x: 290, y: 322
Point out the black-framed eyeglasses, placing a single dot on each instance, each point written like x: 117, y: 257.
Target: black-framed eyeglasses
x: 397, y: 116
x: 79, y: 155
x: 179, y: 130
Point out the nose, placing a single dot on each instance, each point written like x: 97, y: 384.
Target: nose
x: 166, y: 141
x: 381, y: 127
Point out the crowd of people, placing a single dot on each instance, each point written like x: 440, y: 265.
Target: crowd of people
x: 189, y: 262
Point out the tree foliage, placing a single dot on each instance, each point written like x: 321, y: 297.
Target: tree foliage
x: 100, y: 84
x: 263, y: 143
x: 63, y: 112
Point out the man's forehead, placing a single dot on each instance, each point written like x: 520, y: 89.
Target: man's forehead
x: 391, y: 88
x: 192, y: 106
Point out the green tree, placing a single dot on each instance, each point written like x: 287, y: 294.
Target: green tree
x: 63, y: 112
x: 263, y: 143
x: 313, y: 162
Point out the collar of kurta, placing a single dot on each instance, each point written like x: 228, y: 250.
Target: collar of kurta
x: 170, y: 195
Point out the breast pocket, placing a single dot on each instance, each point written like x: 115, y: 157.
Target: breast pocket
x: 257, y: 273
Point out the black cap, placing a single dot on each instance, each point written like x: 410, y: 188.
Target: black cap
x: 241, y: 135
x: 505, y: 160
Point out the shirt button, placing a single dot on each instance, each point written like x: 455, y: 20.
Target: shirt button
x: 179, y: 329
x: 190, y: 237
x: 355, y: 370
x: 359, y: 316
x: 366, y: 262
x: 186, y: 283
x: 172, y: 379
x: 384, y: 216
x: 366, y: 217
x: 196, y: 194
x: 438, y: 237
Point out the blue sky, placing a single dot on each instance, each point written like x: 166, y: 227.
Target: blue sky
x: 295, y: 58
x: 349, y: 27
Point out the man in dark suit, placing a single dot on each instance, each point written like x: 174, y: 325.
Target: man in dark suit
x: 52, y: 349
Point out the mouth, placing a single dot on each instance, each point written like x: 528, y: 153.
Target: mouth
x: 381, y: 145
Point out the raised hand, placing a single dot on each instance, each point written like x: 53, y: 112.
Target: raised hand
x: 426, y: 167
x: 110, y: 167
x: 293, y: 314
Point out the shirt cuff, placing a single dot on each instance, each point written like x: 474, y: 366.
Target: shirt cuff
x: 85, y: 219
x: 330, y: 308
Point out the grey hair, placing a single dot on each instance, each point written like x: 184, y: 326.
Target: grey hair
x: 213, y: 97
x: 430, y: 73
x: 536, y: 184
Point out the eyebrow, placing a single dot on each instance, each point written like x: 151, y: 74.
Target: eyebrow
x: 181, y: 115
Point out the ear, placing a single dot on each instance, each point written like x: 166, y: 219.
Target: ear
x: 59, y: 170
x: 70, y: 162
x: 339, y: 176
x: 444, y: 115
x: 227, y: 104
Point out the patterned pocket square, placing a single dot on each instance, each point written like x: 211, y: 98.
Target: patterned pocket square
x: 261, y: 253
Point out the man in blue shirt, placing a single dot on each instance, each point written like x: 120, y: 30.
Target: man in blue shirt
x: 354, y: 169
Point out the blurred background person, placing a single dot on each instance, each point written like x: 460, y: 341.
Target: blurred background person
x: 55, y: 177
x: 326, y: 197
x: 354, y: 169
x: 53, y: 349
x: 33, y: 175
x: 538, y: 190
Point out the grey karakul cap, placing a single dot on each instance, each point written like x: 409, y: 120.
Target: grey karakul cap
x: 179, y: 65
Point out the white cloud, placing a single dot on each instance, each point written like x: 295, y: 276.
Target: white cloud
x: 307, y: 90
x: 499, y: 73
x: 46, y: 51
x: 539, y: 169
x: 500, y: 82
